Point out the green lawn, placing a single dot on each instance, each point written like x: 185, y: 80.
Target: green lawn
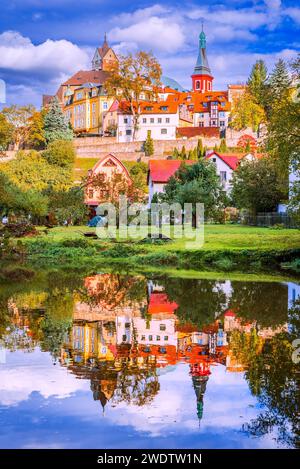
x: 216, y: 237
x: 82, y: 165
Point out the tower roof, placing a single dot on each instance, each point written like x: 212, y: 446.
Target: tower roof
x: 202, y: 67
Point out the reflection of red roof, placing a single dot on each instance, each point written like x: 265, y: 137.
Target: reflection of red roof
x: 229, y: 313
x: 162, y: 170
x: 231, y: 160
x: 159, y: 303
x: 162, y: 359
x: 113, y: 349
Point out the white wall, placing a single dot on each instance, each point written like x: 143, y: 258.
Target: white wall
x: 221, y: 166
x: 154, y: 188
x: 155, y: 127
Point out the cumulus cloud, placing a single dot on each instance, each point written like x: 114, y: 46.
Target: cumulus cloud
x: 153, y: 32
x: 20, y: 54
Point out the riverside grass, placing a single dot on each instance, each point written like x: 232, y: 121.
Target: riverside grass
x: 226, y: 248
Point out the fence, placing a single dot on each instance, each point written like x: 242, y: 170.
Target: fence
x: 270, y: 219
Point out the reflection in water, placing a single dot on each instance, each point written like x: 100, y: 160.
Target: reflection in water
x: 123, y: 334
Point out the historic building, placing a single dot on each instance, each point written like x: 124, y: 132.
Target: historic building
x: 202, y: 77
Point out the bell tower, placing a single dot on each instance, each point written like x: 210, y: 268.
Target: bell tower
x: 202, y: 78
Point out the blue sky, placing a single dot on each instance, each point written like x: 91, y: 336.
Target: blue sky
x: 44, y: 42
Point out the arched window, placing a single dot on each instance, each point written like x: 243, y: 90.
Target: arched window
x: 197, y: 85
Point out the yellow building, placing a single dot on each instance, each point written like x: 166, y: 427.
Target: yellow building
x: 83, y: 97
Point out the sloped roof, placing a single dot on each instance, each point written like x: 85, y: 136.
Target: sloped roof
x: 162, y: 170
x: 152, y: 107
x: 231, y: 160
x: 190, y: 132
x: 87, y: 76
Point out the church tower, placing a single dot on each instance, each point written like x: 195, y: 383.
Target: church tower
x: 104, y: 57
x: 202, y: 77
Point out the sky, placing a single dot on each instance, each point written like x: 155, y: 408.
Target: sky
x: 43, y: 42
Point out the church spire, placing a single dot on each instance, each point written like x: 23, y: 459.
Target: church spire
x: 202, y: 76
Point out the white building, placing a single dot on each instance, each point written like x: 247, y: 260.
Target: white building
x: 157, y: 119
x: 225, y: 166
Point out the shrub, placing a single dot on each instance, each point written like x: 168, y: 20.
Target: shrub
x: 60, y: 153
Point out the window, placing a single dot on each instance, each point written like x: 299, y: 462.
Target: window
x: 159, y: 120
x: 204, y: 104
x: 144, y: 120
x: 201, y: 124
x: 162, y: 327
x: 158, y: 337
x: 128, y: 132
x: 94, y: 107
x: 222, y: 123
x: 223, y: 104
x: 223, y: 176
x: 79, y: 95
x: 167, y: 120
x: 124, y: 337
x: 143, y: 337
x: 150, y: 337
x: 151, y: 120
x: 94, y: 93
x: 198, y: 85
x: 166, y: 337
x: 125, y: 120
x: 164, y: 108
x: 105, y: 106
x: 148, y: 108
x: 221, y: 114
x: 214, y: 160
x: 163, y: 131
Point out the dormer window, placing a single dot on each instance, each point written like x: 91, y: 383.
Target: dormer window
x: 204, y: 104
x: 149, y: 108
x: 164, y: 108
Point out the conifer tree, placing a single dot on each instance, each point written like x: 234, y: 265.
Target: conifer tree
x: 279, y: 81
x: 55, y: 123
x: 183, y: 154
x: 149, y: 145
x: 175, y: 154
x: 223, y: 146
x: 257, y: 81
x: 199, y: 148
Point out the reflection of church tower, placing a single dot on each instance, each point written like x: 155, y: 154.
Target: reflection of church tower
x: 200, y: 374
x: 103, y: 388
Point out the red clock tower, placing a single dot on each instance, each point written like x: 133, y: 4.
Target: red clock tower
x: 202, y: 77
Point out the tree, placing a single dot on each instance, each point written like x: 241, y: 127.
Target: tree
x: 247, y: 113
x: 279, y: 82
x: 138, y: 172
x: 68, y: 205
x: 247, y: 143
x: 6, y: 132
x: 223, y: 146
x: 175, y: 154
x: 256, y: 186
x: 31, y: 171
x: 36, y: 133
x: 60, y: 153
x: 19, y: 118
x: 131, y: 78
x: 196, y: 183
x: 257, y: 82
x: 149, y: 145
x: 56, y: 125
x: 183, y: 154
x: 200, y: 149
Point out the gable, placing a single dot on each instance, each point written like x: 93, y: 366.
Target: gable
x: 110, y: 163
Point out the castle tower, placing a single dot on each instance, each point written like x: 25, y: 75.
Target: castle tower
x: 202, y: 77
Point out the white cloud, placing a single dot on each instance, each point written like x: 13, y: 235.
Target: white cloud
x: 293, y: 13
x: 20, y: 54
x: 152, y: 33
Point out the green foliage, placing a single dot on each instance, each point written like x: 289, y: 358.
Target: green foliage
x: 56, y: 125
x: 138, y: 172
x: 175, y: 154
x: 279, y: 83
x: 223, y: 146
x: 149, y: 145
x: 183, y: 154
x: 6, y: 132
x: 60, y: 153
x: 247, y: 113
x: 68, y: 205
x: 31, y: 171
x: 256, y: 186
x: 196, y: 183
x: 257, y: 81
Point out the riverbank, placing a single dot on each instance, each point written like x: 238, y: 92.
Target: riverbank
x: 226, y: 248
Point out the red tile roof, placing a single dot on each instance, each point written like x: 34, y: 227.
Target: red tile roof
x: 159, y: 303
x: 87, y: 76
x: 190, y: 132
x: 231, y: 160
x: 114, y: 107
x: 162, y: 170
x: 151, y: 107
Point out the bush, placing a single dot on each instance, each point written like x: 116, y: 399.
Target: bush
x: 60, y: 153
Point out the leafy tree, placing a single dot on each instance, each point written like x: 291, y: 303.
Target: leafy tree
x: 257, y: 186
x: 31, y: 171
x: 196, y: 183
x: 36, y: 134
x: 68, y: 205
x: 149, y: 145
x: 247, y: 113
x: 6, y: 132
x: 138, y: 172
x: 55, y: 123
x: 19, y: 118
x: 130, y: 78
x: 60, y: 153
x: 223, y: 146
x: 257, y: 82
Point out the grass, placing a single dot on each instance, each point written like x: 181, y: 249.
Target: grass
x: 216, y: 238
x: 82, y: 165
